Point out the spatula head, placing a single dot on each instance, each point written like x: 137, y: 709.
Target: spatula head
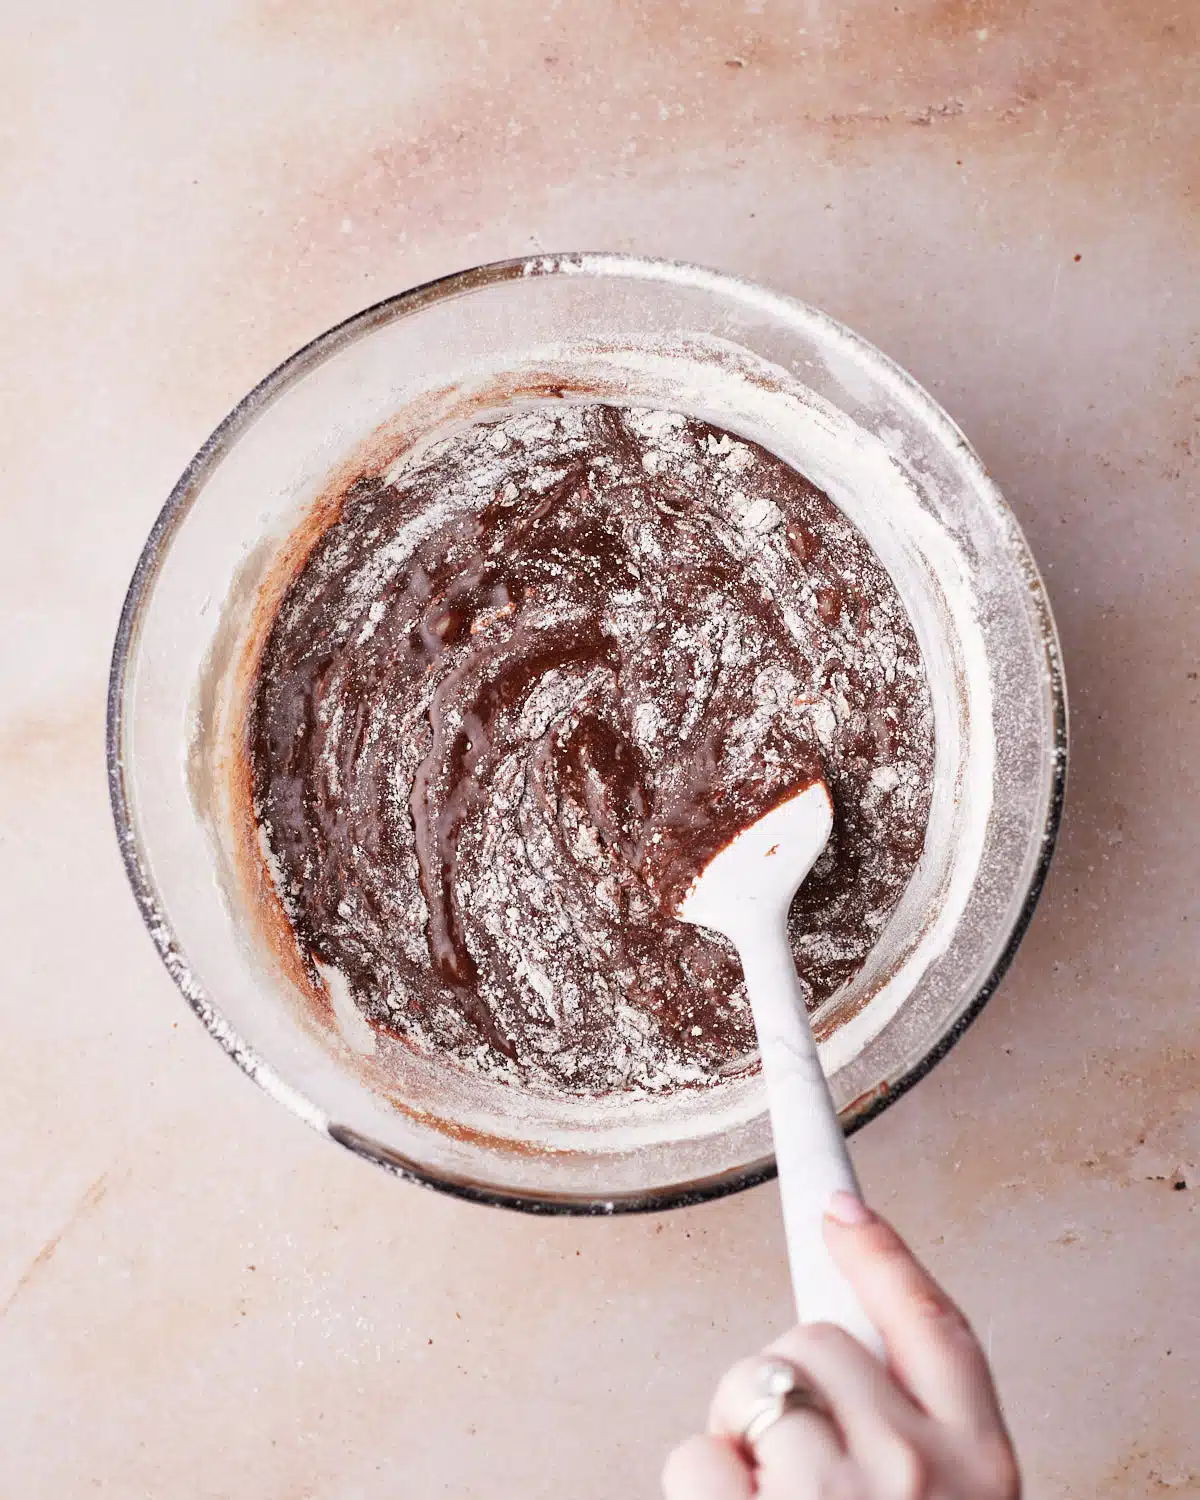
x: 752, y: 880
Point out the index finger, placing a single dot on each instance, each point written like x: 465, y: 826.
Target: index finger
x: 929, y: 1342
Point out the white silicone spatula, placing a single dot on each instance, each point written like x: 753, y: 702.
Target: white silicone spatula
x: 744, y: 892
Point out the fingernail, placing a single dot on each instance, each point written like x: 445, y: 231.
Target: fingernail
x: 845, y: 1208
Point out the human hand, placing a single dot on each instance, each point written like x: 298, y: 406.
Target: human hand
x: 926, y: 1427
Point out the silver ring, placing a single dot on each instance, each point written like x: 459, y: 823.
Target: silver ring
x: 782, y: 1388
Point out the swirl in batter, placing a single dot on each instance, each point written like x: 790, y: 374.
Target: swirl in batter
x: 521, y: 689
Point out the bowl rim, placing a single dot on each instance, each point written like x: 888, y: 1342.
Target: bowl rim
x: 187, y: 490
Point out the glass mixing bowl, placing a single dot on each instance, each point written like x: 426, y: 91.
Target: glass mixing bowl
x: 548, y: 329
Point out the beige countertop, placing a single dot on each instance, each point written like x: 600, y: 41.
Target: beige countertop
x: 198, y: 1297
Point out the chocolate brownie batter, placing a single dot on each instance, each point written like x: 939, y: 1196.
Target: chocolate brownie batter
x: 522, y: 688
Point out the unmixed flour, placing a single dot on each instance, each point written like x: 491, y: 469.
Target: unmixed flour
x: 521, y: 680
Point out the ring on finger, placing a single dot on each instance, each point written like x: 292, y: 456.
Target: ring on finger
x: 781, y: 1388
